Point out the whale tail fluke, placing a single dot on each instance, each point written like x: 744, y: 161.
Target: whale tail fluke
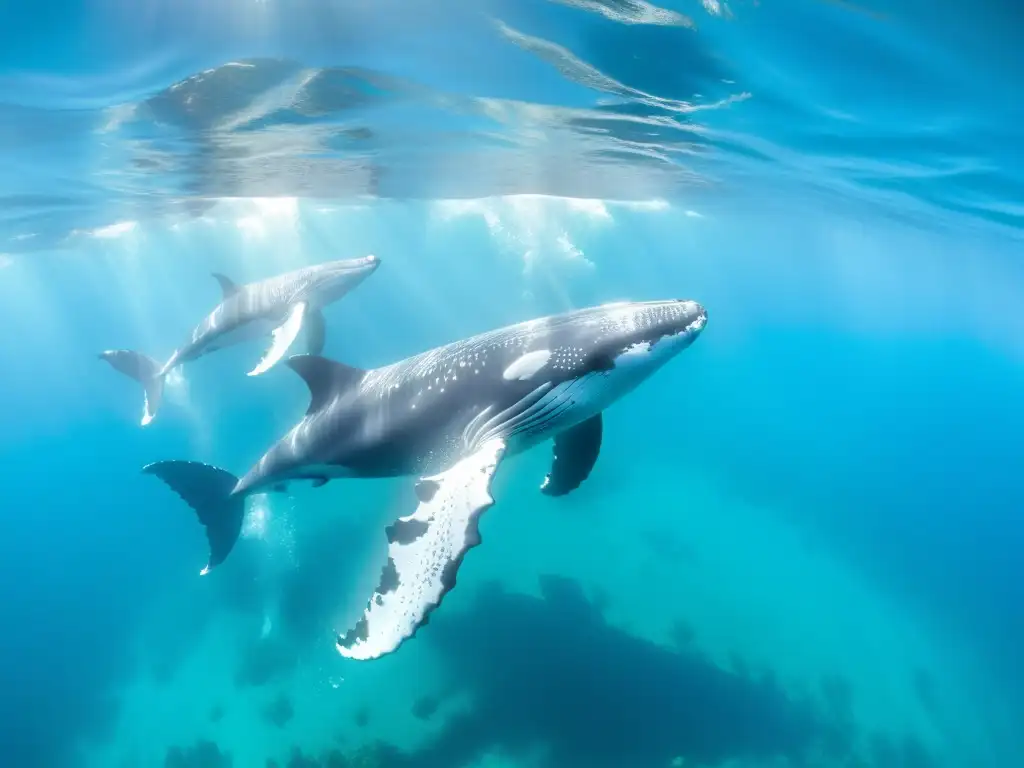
x: 144, y: 370
x: 208, y: 490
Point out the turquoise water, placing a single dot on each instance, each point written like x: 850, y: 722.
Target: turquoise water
x: 800, y: 546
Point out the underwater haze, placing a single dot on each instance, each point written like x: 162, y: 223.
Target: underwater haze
x: 800, y: 546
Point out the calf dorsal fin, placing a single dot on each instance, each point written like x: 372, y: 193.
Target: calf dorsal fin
x: 227, y: 285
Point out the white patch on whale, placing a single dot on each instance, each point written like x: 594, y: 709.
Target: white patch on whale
x: 283, y: 336
x: 147, y: 412
x: 526, y: 366
x: 422, y: 567
x: 638, y: 349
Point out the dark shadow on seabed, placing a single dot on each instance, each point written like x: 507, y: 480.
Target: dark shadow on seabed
x: 552, y: 675
x: 549, y: 678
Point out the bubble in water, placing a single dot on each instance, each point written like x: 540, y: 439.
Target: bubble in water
x: 176, y: 386
x: 258, y: 520
x: 268, y: 520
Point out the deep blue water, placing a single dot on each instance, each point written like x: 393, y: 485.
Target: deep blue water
x: 801, y: 541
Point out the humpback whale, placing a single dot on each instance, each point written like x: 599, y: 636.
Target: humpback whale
x: 279, y: 306
x: 447, y: 416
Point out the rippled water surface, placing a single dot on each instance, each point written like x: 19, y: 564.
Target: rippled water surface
x: 126, y: 111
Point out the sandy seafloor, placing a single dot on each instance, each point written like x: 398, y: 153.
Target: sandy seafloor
x: 520, y: 668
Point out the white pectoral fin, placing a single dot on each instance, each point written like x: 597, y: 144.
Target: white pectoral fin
x: 425, y: 550
x: 283, y: 337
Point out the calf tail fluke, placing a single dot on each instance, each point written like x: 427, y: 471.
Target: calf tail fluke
x: 144, y: 370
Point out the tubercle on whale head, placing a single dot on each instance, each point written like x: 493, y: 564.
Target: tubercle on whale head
x: 369, y: 261
x: 670, y: 325
x: 692, y: 313
x: 362, y: 265
x: 697, y: 317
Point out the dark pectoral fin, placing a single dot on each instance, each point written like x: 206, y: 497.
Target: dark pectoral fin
x: 576, y: 452
x: 315, y: 331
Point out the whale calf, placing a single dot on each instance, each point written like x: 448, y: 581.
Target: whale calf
x: 447, y: 416
x: 279, y: 306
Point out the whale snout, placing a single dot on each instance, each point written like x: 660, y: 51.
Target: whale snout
x: 684, y: 316
x: 361, y: 266
x: 696, y: 315
x: 367, y: 263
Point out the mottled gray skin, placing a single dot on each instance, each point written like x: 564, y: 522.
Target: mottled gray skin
x: 255, y: 309
x: 515, y: 387
x: 525, y: 383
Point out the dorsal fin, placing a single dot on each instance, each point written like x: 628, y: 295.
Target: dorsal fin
x: 325, y: 378
x: 227, y: 285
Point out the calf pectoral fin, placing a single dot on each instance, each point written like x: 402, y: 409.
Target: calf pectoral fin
x: 425, y: 550
x: 315, y: 331
x: 575, y: 454
x: 283, y: 337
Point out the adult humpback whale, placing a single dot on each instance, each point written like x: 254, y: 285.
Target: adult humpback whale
x: 281, y: 306
x: 449, y: 416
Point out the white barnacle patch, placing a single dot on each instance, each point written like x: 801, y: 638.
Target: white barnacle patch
x: 639, y: 349
x: 697, y: 324
x: 526, y: 366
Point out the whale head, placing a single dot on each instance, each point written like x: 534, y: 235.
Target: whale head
x: 581, y: 362
x: 629, y: 338
x: 626, y: 342
x: 655, y: 329
x: 336, y: 278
